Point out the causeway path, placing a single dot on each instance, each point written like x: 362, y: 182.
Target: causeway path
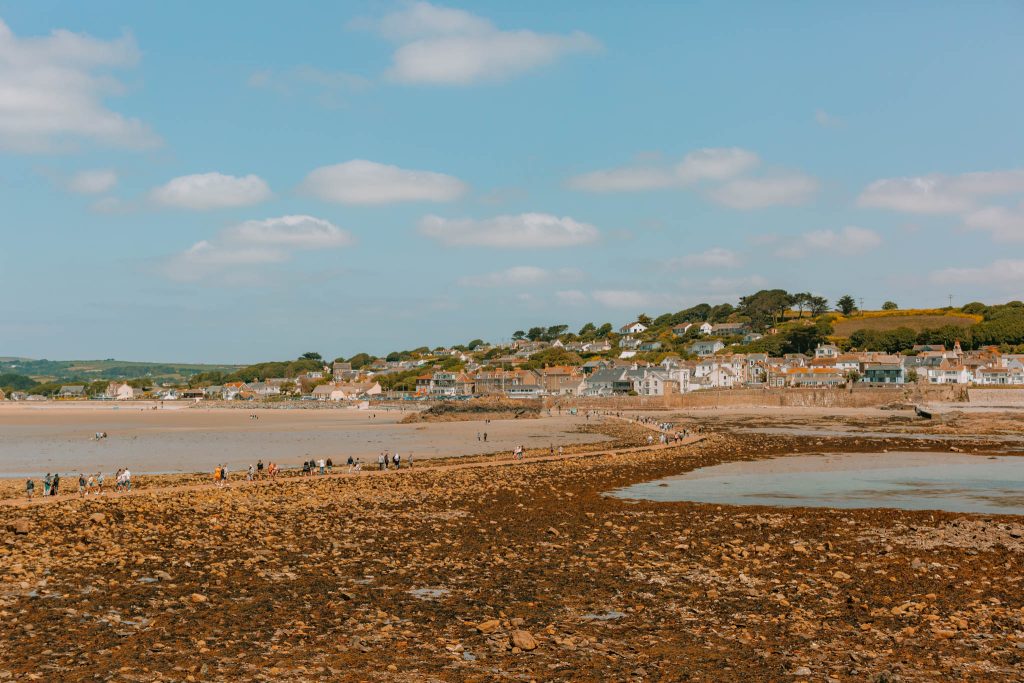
x: 505, y: 461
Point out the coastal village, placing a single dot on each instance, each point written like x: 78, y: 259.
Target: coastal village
x: 641, y: 358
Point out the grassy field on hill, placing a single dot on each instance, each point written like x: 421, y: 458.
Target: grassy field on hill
x: 89, y: 370
x: 883, y: 321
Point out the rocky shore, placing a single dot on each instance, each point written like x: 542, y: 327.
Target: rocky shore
x: 507, y: 572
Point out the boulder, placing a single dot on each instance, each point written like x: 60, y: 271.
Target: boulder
x: 524, y: 640
x: 20, y: 526
x: 489, y: 626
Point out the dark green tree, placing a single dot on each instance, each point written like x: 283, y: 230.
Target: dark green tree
x: 818, y: 305
x: 802, y: 300
x: 554, y: 332
x: 765, y: 308
x: 846, y: 305
x: 361, y: 360
x: 535, y: 333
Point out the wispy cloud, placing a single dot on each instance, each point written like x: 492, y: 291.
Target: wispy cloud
x: 522, y: 231
x: 702, y: 164
x: 94, y: 181
x: 229, y: 257
x: 721, y: 173
x: 445, y: 46
x: 998, y: 274
x: 205, y: 191
x: 626, y: 298
x: 571, y: 297
x: 848, y: 240
x: 53, y: 91
x: 522, y: 276
x: 716, y: 257
x: 938, y: 193
x: 826, y: 120
x: 367, y: 182
x: 787, y: 189
x: 1005, y: 224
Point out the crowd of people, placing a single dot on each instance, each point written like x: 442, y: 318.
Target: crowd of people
x: 387, y: 460
x: 88, y: 484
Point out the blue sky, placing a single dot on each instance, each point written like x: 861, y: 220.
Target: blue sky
x: 232, y: 182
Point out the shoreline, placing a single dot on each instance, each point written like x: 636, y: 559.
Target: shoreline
x: 193, y: 440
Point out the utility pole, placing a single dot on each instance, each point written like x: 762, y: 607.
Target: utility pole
x: 950, y: 300
x: 861, y: 303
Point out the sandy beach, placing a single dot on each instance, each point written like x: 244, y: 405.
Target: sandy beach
x: 178, y: 438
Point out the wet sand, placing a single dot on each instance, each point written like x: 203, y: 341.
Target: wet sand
x: 178, y: 438
x: 908, y: 480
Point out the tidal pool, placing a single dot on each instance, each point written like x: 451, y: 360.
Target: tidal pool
x: 912, y: 481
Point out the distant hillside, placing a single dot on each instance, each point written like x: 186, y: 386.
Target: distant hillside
x: 92, y: 370
x: 884, y: 321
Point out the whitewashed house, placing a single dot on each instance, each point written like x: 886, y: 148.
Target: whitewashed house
x: 633, y: 328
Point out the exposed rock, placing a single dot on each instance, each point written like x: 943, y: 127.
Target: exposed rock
x: 524, y: 640
x: 488, y: 626
x: 20, y: 526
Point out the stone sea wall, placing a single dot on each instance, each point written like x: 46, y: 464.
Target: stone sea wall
x: 858, y: 397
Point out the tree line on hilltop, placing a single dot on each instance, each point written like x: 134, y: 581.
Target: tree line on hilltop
x: 800, y: 321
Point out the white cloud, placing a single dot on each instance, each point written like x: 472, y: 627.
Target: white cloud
x: 424, y: 20
x: 225, y: 257
x: 848, y: 240
x: 367, y: 182
x: 52, y: 91
x: 1004, y: 223
x: 93, y: 181
x: 625, y: 179
x: 937, y: 193
x: 912, y: 195
x: 445, y: 46
x: 211, y: 191
x: 791, y: 189
x: 715, y: 164
x: 1004, y: 272
x: 716, y: 257
x: 571, y: 297
x: 294, y: 232
x: 521, y: 276
x: 703, y: 164
x: 522, y: 231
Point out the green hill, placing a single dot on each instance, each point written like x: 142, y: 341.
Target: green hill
x: 91, y: 370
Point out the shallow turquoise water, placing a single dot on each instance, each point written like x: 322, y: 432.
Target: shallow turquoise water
x: 913, y: 481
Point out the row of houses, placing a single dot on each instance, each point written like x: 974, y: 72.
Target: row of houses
x: 827, y: 367
x: 705, y: 328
